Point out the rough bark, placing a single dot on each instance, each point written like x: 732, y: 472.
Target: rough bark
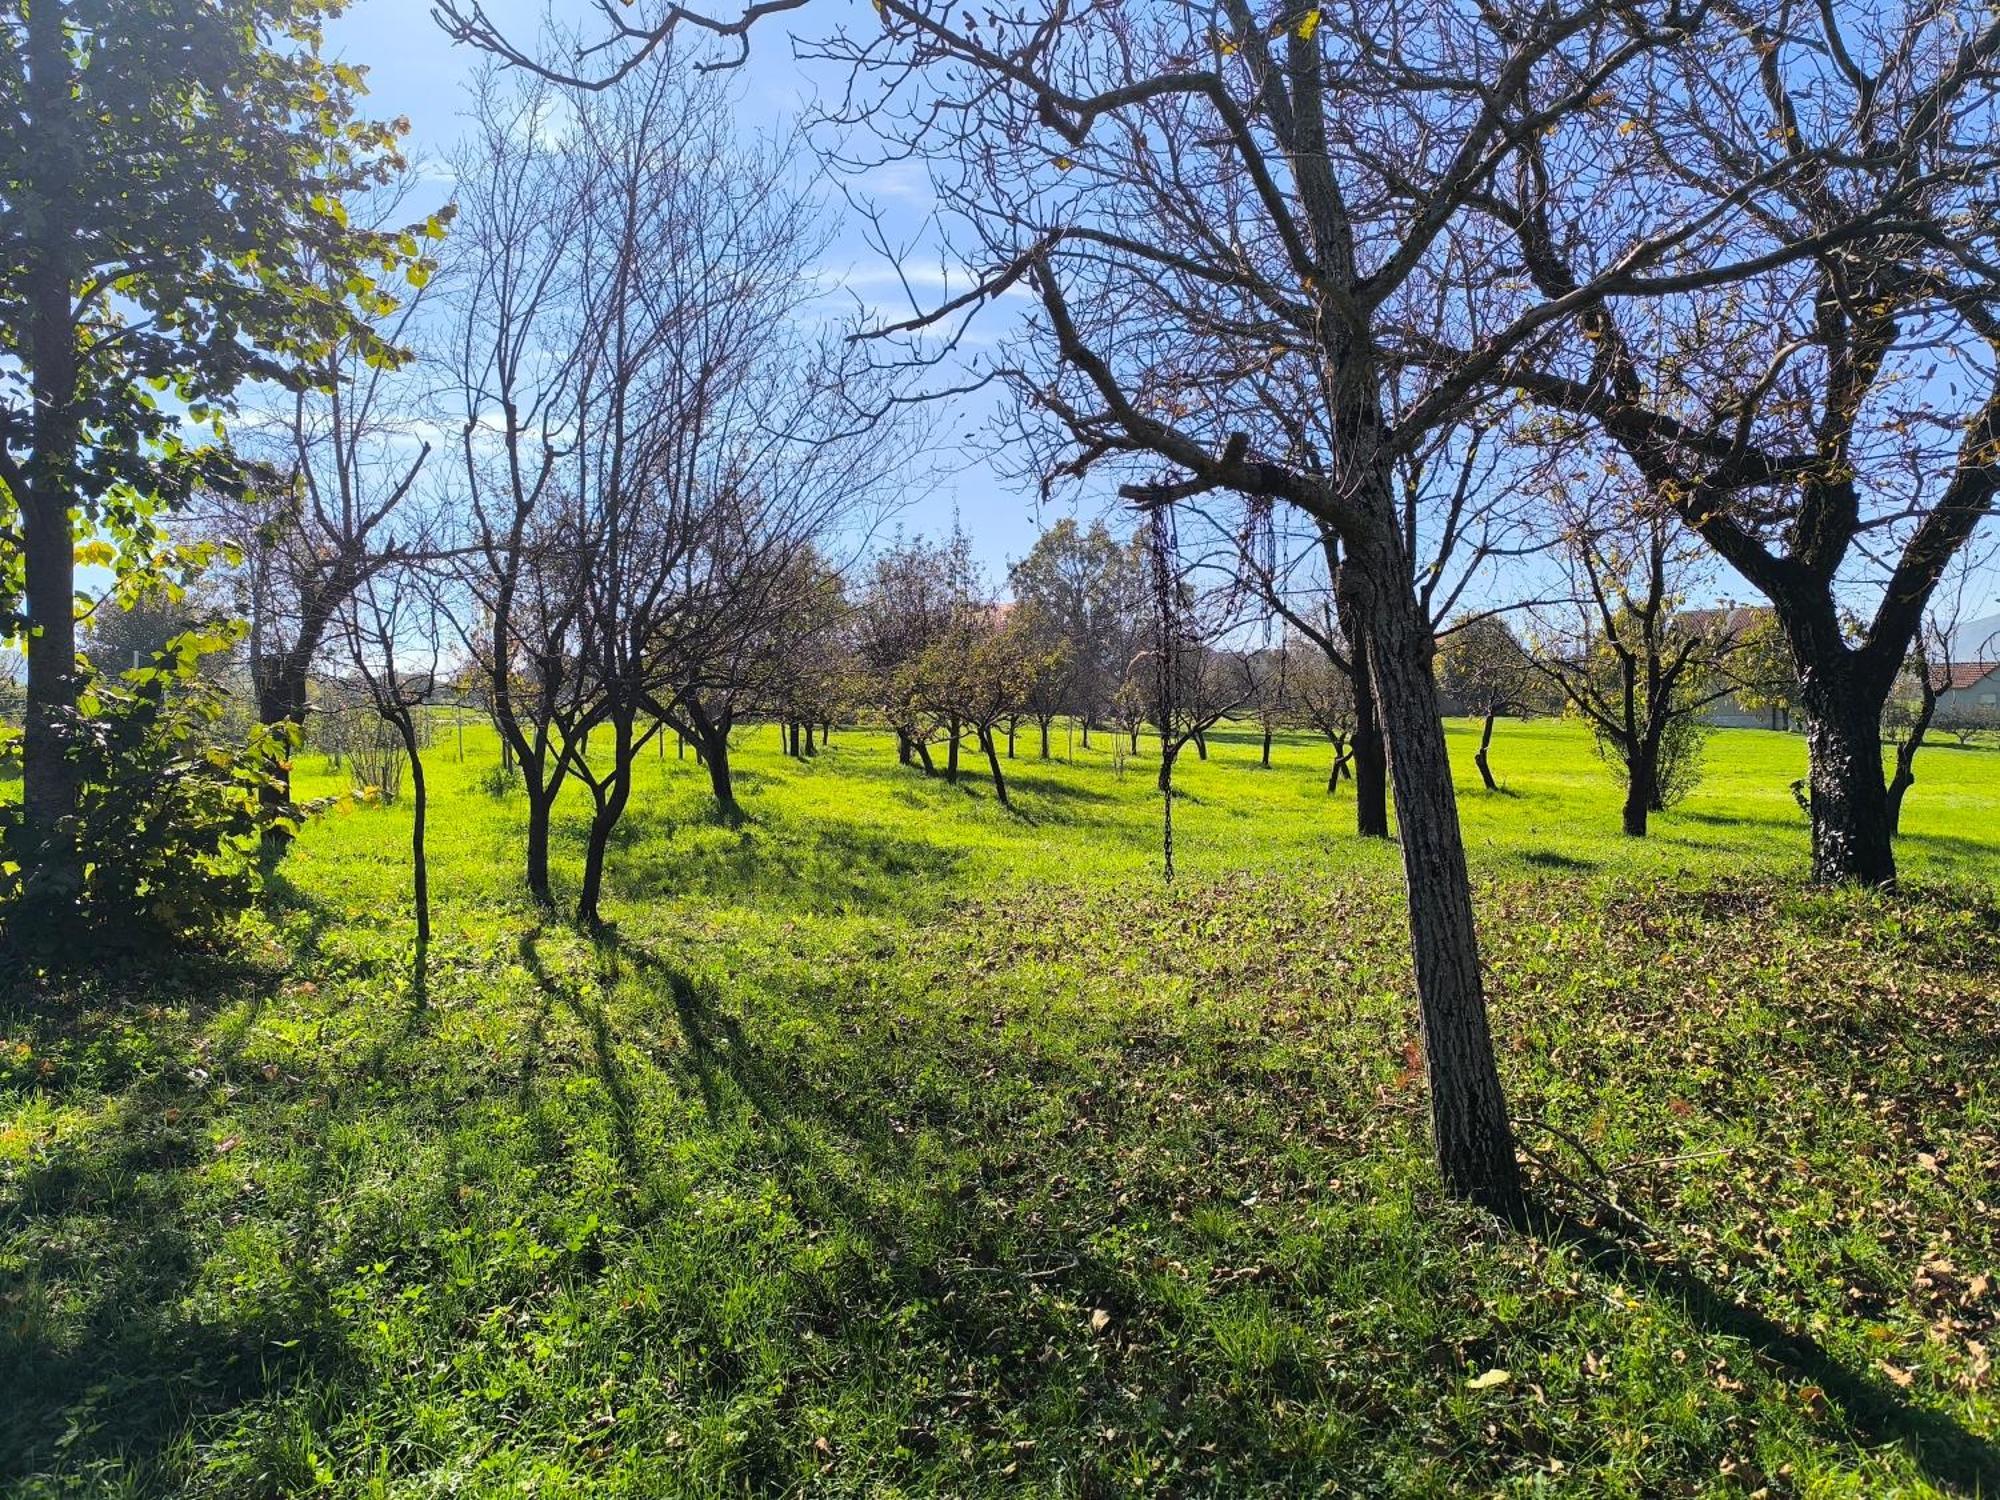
x: 52, y: 869
x: 1470, y: 1129
x: 1849, y: 803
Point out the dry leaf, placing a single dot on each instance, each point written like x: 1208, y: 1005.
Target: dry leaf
x: 1490, y: 1379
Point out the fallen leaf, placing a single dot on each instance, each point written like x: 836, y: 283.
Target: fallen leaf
x: 1902, y: 1377
x: 1490, y: 1379
x: 1100, y: 1320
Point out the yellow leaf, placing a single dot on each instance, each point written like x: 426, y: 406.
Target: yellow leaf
x: 1490, y: 1379
x: 1309, y: 24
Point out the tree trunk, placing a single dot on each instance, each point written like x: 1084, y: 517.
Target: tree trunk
x: 720, y: 782
x: 1841, y: 695
x: 281, y: 699
x: 1485, y: 744
x: 593, y: 868
x: 52, y: 872
x: 1045, y: 739
x: 1851, y: 825
x: 1267, y: 747
x: 1200, y: 745
x: 1086, y: 731
x: 951, y: 752
x: 540, y: 806
x: 1470, y: 1129
x: 1639, y: 796
x: 1369, y: 765
x: 420, y: 870
x: 993, y: 760
x: 1906, y: 751
x: 903, y: 753
x: 613, y: 795
x: 812, y: 748
x: 1013, y: 725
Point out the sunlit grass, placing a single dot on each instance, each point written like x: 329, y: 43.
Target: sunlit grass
x: 895, y: 1143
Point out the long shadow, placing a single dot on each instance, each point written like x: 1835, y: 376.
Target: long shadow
x: 1950, y: 1455
x: 555, y: 987
x: 113, y: 1387
x: 1550, y: 859
x: 801, y: 864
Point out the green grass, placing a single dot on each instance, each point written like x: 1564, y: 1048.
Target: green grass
x: 893, y: 1144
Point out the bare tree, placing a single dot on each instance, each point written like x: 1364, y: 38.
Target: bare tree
x: 657, y: 434
x: 1325, y: 698
x: 1826, y: 417
x: 1633, y: 661
x: 517, y: 357
x: 394, y: 639
x: 1483, y: 669
x: 336, y: 463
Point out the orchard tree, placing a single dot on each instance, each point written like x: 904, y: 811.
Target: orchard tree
x: 175, y: 176
x: 1089, y: 590
x: 394, y: 645
x: 1482, y: 667
x: 1827, y: 417
x: 1325, y: 698
x: 1631, y: 659
x: 1212, y: 211
x: 917, y: 591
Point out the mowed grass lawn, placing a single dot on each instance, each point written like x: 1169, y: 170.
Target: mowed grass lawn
x: 894, y: 1144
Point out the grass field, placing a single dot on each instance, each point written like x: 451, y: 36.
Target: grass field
x: 894, y: 1144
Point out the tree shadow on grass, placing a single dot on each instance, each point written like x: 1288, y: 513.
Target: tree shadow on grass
x: 111, y: 1386
x: 1949, y: 1454
x: 803, y: 864
x: 1551, y: 859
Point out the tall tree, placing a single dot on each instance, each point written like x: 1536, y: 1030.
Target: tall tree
x: 173, y: 176
x: 1090, y: 589
x: 1829, y: 425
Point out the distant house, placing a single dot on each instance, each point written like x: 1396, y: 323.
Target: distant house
x: 1729, y: 711
x: 1967, y: 690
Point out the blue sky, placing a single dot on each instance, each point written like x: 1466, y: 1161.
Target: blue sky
x: 414, y: 71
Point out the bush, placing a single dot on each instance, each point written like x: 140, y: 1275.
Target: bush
x: 170, y: 814
x: 500, y: 781
x: 376, y: 757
